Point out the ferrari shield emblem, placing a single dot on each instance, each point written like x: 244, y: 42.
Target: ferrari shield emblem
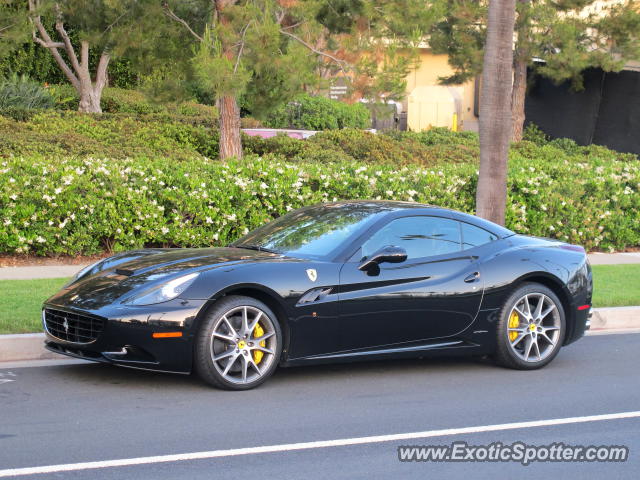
x: 312, y: 274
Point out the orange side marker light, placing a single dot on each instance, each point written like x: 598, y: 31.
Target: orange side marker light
x: 167, y: 334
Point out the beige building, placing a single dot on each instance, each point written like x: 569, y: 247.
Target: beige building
x: 429, y: 104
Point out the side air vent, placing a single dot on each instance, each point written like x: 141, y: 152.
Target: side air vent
x: 314, y: 295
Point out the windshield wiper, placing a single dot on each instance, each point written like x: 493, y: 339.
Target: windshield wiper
x: 257, y: 248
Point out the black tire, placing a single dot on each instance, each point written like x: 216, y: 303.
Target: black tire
x: 205, y: 344
x: 505, y: 354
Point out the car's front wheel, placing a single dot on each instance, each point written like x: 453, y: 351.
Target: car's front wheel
x: 531, y: 328
x: 238, y: 344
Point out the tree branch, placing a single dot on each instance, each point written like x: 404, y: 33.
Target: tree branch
x: 169, y: 13
x: 6, y: 28
x: 101, y: 72
x: 67, y: 44
x: 244, y: 32
x: 84, y: 56
x: 46, y: 42
x: 341, y: 63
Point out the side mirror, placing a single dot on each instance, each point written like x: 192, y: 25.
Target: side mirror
x: 389, y: 254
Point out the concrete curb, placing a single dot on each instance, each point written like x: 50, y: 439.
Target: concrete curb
x: 30, y: 346
x: 613, y: 318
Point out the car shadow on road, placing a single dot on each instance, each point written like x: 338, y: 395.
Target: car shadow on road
x: 104, y: 375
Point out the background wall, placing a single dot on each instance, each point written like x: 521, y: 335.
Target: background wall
x: 606, y: 112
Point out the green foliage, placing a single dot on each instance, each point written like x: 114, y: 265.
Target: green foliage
x: 72, y: 183
x: 109, y: 135
x: 319, y: 113
x: 331, y: 146
x: 38, y: 64
x: 22, y: 93
x: 119, y: 100
x: 559, y: 33
x: 532, y: 133
x: 70, y: 205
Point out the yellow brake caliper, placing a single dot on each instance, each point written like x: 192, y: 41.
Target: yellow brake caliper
x: 257, y: 354
x: 514, y: 321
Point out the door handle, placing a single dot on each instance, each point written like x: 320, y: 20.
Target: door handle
x: 472, y: 277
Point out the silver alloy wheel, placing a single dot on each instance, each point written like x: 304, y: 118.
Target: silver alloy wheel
x: 238, y: 354
x: 537, y: 332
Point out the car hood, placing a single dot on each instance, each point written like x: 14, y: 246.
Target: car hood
x: 121, y: 276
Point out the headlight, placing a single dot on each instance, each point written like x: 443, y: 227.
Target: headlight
x: 82, y: 272
x: 163, y: 293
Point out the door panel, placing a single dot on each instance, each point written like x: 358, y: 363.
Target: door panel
x: 413, y: 301
x: 435, y: 293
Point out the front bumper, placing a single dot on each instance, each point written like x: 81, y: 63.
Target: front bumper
x: 127, y: 337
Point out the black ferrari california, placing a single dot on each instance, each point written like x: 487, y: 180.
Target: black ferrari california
x: 335, y: 282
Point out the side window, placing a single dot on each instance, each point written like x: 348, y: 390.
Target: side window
x: 473, y: 236
x: 419, y: 236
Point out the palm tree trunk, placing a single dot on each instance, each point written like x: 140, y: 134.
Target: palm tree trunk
x: 518, y: 98
x: 495, y: 111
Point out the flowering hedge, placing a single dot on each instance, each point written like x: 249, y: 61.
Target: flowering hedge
x: 72, y: 205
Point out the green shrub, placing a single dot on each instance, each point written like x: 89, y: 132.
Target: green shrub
x: 22, y: 93
x: 119, y: 100
x: 350, y: 144
x: 109, y: 135
x: 71, y: 205
x: 319, y: 113
x: 38, y: 63
x: 532, y: 133
x: 439, y: 136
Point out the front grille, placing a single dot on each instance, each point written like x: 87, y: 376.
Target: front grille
x: 72, y: 327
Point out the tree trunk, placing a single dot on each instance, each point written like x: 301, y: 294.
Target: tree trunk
x: 495, y: 111
x: 89, y: 100
x: 76, y: 70
x: 230, y: 142
x: 518, y: 98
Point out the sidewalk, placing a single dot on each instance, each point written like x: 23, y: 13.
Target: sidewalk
x: 614, y: 258
x: 45, y: 271
x: 59, y: 271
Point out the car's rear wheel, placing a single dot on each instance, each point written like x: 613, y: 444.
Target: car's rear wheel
x: 238, y: 344
x: 531, y: 328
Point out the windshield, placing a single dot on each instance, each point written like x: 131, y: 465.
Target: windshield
x: 314, y: 232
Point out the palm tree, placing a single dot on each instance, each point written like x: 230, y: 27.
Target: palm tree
x: 495, y: 111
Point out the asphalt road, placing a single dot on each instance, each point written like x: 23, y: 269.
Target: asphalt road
x: 89, y: 412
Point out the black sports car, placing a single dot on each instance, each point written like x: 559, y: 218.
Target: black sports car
x: 334, y: 282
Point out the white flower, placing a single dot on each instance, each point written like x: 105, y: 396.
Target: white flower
x: 209, y: 220
x: 165, y: 230
x: 39, y: 239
